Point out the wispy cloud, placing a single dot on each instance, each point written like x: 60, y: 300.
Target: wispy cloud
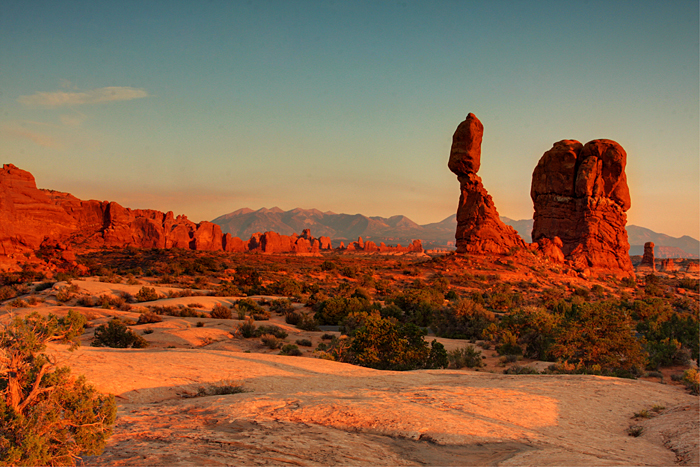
x: 44, y: 140
x: 95, y: 96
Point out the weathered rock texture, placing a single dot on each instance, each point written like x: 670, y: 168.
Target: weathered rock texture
x: 581, y: 196
x: 479, y: 227
x: 647, y: 264
x: 361, y: 246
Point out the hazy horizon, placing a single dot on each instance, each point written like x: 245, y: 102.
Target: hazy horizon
x: 202, y: 109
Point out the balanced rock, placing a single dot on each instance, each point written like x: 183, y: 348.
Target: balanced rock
x: 479, y: 227
x: 581, y: 195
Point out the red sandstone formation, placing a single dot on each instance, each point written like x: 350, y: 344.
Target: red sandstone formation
x: 31, y: 218
x: 581, y: 196
x: 479, y: 228
x: 647, y: 264
x: 669, y: 265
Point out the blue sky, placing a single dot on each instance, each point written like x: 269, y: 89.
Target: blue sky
x: 206, y: 107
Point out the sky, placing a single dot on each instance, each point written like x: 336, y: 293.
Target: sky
x: 205, y: 107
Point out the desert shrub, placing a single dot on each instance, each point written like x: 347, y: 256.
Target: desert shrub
x: 462, y: 319
x: 304, y: 342
x: 117, y: 335
x: 327, y: 337
x: 291, y: 350
x: 691, y: 379
x: 272, y: 330
x: 18, y: 303
x: 260, y: 315
x: 66, y: 293
x: 270, y: 341
x: 187, y: 312
x: 48, y: 417
x: 383, y: 287
x: 328, y: 266
x: 285, y: 286
x: 85, y: 301
x: 419, y: 305
x: 599, y: 334
x: 148, y: 331
x: 386, y: 345
x: 147, y: 294
x: 220, y: 312
x: 292, y: 317
x: 467, y: 357
x: 282, y: 306
x: 520, y: 370
x: 349, y: 271
x: 307, y: 322
x: 249, y: 305
x: 508, y: 344
x: 333, y: 310
x: 247, y: 328
x: 149, y: 317
x: 533, y: 327
x: 451, y: 295
x: 248, y: 278
x: 690, y: 284
x: 227, y: 289
x: 195, y: 305
x: 322, y: 346
x: 220, y: 388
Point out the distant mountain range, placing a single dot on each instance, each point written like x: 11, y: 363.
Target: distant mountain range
x: 400, y: 229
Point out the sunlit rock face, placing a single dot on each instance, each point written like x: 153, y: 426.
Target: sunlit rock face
x: 479, y: 227
x: 580, y: 195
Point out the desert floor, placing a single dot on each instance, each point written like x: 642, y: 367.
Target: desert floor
x: 309, y: 411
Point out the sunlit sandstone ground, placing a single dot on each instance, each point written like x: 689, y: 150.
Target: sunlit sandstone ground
x: 307, y: 411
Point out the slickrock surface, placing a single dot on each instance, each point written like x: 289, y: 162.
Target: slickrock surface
x: 479, y: 227
x: 581, y: 196
x: 303, y: 411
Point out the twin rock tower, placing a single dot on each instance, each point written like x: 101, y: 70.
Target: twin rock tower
x: 580, y: 196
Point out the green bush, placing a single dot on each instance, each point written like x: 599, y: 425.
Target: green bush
x: 48, y: 417
x: 332, y: 311
x: 247, y: 328
x: 291, y: 350
x: 304, y: 342
x: 386, y: 345
x: 467, y: 357
x: 117, y: 335
x: 147, y: 294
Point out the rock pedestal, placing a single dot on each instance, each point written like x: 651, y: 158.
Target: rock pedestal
x: 647, y: 264
x: 479, y: 227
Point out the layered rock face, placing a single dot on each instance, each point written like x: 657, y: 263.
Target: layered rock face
x: 479, y: 228
x: 581, y: 195
x: 361, y: 246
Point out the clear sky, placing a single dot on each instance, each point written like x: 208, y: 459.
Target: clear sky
x: 205, y: 107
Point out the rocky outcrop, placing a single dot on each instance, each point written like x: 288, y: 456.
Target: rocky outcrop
x: 647, y: 264
x: 669, y: 265
x: 581, y: 195
x: 30, y: 218
x: 479, y: 227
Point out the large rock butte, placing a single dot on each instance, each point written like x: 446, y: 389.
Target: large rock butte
x: 479, y: 227
x: 581, y: 195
